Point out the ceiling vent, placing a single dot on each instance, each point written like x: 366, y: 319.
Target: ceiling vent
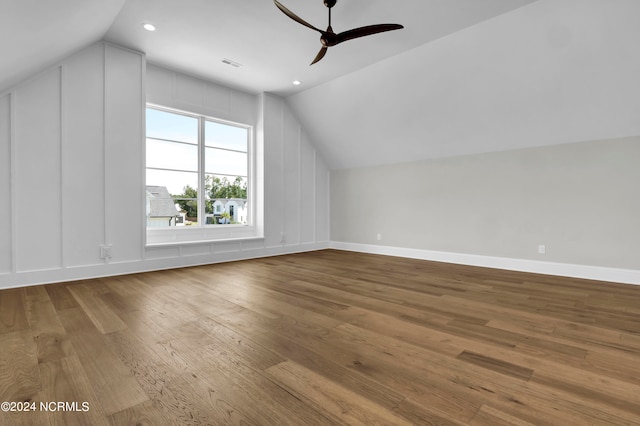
x: 230, y: 62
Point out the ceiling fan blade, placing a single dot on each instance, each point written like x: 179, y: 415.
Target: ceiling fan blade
x: 366, y: 31
x: 295, y: 17
x: 320, y: 55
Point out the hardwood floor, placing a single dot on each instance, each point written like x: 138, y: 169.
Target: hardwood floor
x: 322, y: 338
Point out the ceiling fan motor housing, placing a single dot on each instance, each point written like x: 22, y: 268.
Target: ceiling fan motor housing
x: 329, y: 38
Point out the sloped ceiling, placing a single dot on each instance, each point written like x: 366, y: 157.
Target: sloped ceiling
x: 463, y: 77
x: 194, y: 36
x: 555, y: 71
x: 37, y: 33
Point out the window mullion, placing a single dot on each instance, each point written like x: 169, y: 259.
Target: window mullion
x: 201, y: 175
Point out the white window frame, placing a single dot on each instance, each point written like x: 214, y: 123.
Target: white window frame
x: 202, y: 232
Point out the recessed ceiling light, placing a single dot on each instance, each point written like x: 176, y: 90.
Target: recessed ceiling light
x: 297, y: 82
x: 149, y: 27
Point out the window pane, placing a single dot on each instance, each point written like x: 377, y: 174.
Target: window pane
x: 220, y: 161
x: 167, y: 189
x: 175, y: 182
x: 172, y: 155
x: 227, y: 202
x: 225, y: 136
x: 173, y: 174
x: 167, y: 125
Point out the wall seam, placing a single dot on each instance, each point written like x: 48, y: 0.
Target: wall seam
x: 315, y: 195
x: 283, y: 179
x: 104, y: 147
x: 327, y: 214
x: 143, y: 159
x: 299, y: 180
x: 61, y: 147
x: 12, y: 184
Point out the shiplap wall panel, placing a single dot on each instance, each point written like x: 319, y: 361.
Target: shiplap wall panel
x: 37, y: 189
x: 291, y: 172
x: 322, y: 200
x: 273, y: 174
x: 308, y: 207
x: 162, y: 252
x: 175, y: 90
x: 5, y: 184
x: 227, y: 247
x: 217, y: 99
x: 123, y: 154
x: 196, y: 250
x: 189, y: 91
x: 82, y: 157
x: 242, y: 104
x: 159, y: 85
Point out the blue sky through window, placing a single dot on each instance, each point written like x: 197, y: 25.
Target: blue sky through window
x: 222, y: 143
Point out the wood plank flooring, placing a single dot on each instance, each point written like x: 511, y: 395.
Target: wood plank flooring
x: 323, y: 338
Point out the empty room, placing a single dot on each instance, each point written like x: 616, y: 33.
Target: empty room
x: 319, y: 212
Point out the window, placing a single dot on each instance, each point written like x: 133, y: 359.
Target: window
x: 197, y: 170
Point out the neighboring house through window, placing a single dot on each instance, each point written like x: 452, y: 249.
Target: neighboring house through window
x: 161, y: 209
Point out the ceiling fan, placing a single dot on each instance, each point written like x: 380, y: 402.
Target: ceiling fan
x: 328, y: 38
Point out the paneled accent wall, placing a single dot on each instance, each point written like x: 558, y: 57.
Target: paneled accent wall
x: 83, y: 161
x: 72, y: 170
x: 68, y: 136
x: 180, y: 91
x: 37, y: 190
x: 124, y: 175
x: 294, y: 214
x: 291, y: 178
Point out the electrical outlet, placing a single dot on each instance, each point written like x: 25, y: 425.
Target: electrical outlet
x: 542, y: 249
x: 105, y: 252
x: 283, y: 238
x: 379, y: 237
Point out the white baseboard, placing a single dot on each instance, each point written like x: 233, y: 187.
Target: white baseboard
x: 625, y: 276
x: 29, y: 278
x: 23, y: 279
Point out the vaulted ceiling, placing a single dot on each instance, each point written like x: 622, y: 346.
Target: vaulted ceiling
x: 35, y: 34
x: 464, y: 76
x: 555, y: 71
x: 196, y: 35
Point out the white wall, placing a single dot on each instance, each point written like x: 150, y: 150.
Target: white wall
x: 72, y: 171
x: 176, y: 90
x: 580, y: 200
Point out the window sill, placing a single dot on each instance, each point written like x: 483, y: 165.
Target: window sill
x: 205, y: 235
x: 188, y: 243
